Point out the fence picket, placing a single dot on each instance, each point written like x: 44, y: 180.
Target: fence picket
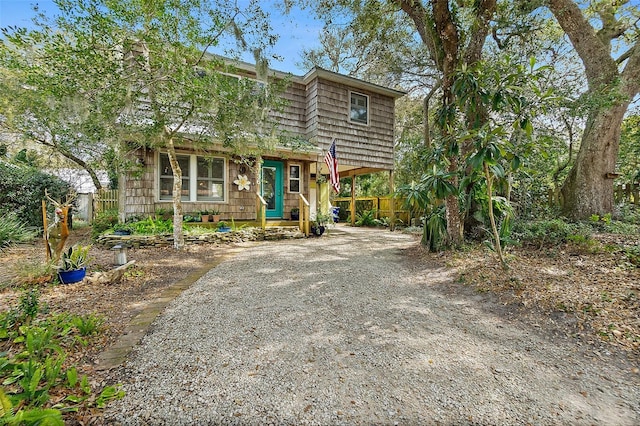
x: 105, y: 199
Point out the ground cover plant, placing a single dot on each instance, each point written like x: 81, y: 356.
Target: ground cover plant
x: 40, y: 385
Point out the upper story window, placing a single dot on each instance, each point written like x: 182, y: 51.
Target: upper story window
x: 203, y: 178
x: 295, y: 178
x: 359, y: 109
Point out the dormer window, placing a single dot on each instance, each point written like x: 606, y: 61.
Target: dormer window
x: 359, y: 110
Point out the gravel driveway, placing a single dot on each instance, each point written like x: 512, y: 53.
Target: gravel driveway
x: 343, y: 329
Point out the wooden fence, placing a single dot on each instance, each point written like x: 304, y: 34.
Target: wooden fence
x: 105, y: 199
x: 622, y: 193
x: 380, y: 205
x: 628, y: 193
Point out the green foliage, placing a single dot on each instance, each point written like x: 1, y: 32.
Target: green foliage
x: 77, y: 257
x: 435, y: 229
x: 629, y: 213
x: 87, y: 325
x: 416, y: 199
x: 13, y: 230
x: 633, y: 255
x: 366, y: 218
x: 123, y: 227
x: 607, y: 224
x: 235, y: 227
x: 103, y: 221
x: 386, y: 222
x: 369, y: 185
x: 35, y: 366
x: 151, y: 226
x: 29, y: 304
x: 628, y: 163
x: 552, y: 232
x: 22, y: 190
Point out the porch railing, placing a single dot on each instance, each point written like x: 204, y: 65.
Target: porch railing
x: 261, y: 209
x: 305, y: 213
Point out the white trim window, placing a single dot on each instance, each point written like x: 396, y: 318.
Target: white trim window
x: 203, y: 178
x: 166, y: 177
x: 359, y: 108
x: 211, y: 172
x: 295, y: 178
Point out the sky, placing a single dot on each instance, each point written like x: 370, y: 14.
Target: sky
x: 297, y: 31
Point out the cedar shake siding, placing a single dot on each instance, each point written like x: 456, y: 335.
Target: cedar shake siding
x: 317, y: 110
x: 359, y: 145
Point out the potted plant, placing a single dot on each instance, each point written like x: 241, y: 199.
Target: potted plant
x: 223, y: 226
x: 122, y: 229
x: 316, y: 229
x: 295, y: 213
x: 73, y: 264
x: 318, y: 226
x: 206, y: 216
x: 215, y: 216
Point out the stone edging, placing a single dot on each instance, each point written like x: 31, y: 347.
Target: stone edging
x: 242, y: 235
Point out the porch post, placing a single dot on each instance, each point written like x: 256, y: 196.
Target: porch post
x: 122, y: 198
x: 353, y: 200
x: 392, y: 201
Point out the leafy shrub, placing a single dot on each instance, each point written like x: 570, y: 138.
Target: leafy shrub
x: 434, y: 231
x: 150, y: 226
x: 13, y: 230
x: 22, y: 190
x: 628, y: 213
x: 103, y: 221
x: 551, y: 232
x: 30, y: 304
x: 366, y: 218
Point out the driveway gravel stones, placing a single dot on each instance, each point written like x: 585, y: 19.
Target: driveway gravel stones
x: 345, y: 329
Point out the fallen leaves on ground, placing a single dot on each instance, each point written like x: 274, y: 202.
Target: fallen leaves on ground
x: 595, y: 284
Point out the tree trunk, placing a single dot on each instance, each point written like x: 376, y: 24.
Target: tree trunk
x: 455, y: 226
x: 587, y: 189
x: 178, y: 237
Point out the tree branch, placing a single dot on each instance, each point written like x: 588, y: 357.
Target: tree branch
x: 70, y: 156
x: 631, y: 72
x: 599, y: 66
x: 480, y: 30
x: 425, y: 27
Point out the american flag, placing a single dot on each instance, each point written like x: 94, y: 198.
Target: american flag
x: 332, y: 162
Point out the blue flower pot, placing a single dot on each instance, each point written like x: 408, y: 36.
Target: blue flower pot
x: 69, y: 277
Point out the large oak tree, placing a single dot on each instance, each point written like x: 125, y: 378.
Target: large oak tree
x: 613, y: 82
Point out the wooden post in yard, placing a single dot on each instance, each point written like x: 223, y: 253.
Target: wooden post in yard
x: 392, y: 201
x: 353, y: 200
x: 46, y: 232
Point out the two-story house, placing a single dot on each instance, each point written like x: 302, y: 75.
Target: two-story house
x: 322, y: 106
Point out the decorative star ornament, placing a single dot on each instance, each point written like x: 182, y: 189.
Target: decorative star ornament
x: 243, y: 182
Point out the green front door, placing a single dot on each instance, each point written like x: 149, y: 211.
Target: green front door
x: 272, y: 187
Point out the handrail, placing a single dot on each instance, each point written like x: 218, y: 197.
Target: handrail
x: 304, y: 218
x: 261, y: 211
